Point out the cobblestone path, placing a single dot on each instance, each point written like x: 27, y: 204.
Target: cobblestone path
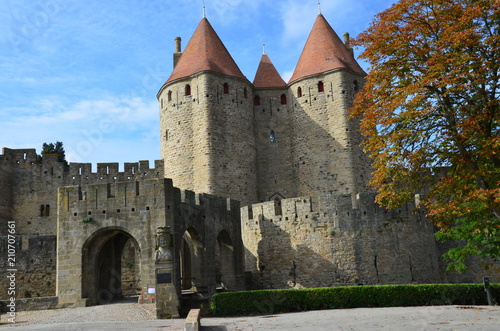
x: 125, y: 310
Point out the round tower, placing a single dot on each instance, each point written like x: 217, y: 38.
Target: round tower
x: 326, y: 152
x: 206, y: 121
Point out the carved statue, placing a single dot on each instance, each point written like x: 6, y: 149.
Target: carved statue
x: 164, y: 244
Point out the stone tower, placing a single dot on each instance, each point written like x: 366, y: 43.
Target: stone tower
x: 206, y: 121
x: 272, y: 133
x: 265, y: 140
x: 325, y: 144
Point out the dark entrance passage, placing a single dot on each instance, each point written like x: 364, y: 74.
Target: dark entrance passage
x: 102, y: 265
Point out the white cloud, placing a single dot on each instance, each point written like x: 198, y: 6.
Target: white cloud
x: 86, y: 128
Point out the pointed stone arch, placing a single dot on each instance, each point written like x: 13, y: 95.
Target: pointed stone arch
x: 101, y: 264
x: 191, y: 259
x: 225, y: 271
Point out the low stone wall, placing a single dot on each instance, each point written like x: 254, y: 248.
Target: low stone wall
x: 40, y: 303
x: 35, y: 265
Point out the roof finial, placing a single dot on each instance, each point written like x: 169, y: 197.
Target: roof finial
x: 263, y: 48
x: 204, y: 10
x: 319, y: 7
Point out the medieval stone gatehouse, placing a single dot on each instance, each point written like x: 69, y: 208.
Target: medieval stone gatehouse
x: 287, y: 153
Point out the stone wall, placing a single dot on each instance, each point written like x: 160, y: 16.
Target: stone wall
x: 208, y: 137
x: 334, y: 241
x: 274, y: 170
x: 326, y: 153
x: 28, y: 188
x: 35, y: 262
x: 41, y: 303
x: 207, y: 238
x: 94, y: 224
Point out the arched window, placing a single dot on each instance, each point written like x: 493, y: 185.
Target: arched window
x: 299, y: 92
x: 272, y: 136
x: 187, y: 90
x: 283, y: 99
x: 42, y: 210
x: 226, y: 88
x: 256, y: 100
x: 321, y: 87
x: 47, y: 210
x: 169, y: 96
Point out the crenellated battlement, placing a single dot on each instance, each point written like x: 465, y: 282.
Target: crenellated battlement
x: 74, y: 173
x: 132, y: 171
x: 208, y: 202
x: 25, y: 155
x: 344, y: 212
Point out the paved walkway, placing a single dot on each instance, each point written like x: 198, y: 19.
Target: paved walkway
x: 132, y: 316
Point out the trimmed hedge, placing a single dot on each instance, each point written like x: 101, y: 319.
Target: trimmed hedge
x: 281, y: 301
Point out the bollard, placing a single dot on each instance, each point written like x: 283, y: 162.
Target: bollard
x: 486, y: 283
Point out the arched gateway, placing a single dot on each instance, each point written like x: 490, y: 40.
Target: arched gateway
x: 102, y: 268
x: 150, y: 216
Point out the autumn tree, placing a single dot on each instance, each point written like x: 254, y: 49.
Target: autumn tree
x: 430, y: 114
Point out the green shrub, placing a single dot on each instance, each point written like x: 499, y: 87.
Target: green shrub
x: 280, y: 301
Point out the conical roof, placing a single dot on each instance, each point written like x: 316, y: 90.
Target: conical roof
x: 267, y: 75
x: 324, y: 51
x: 205, y: 52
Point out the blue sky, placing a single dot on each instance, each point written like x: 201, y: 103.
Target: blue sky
x: 87, y: 72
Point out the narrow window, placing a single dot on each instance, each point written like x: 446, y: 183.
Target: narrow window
x: 166, y: 135
x: 321, y: 87
x: 187, y: 90
x: 47, y: 210
x: 226, y: 88
x: 272, y: 136
x: 169, y: 96
x: 283, y: 99
x: 245, y: 93
x: 355, y: 85
x: 256, y: 100
x: 299, y: 92
x: 161, y: 103
x: 42, y: 210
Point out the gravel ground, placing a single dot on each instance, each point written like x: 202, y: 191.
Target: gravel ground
x: 132, y: 316
x: 125, y: 310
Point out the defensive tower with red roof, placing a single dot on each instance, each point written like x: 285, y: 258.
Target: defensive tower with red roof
x: 266, y: 140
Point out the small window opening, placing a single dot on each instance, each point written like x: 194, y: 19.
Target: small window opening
x: 169, y: 96
x: 283, y: 99
x: 187, y: 90
x: 256, y: 100
x: 355, y: 85
x: 321, y: 87
x: 245, y: 93
x: 299, y: 92
x: 226, y: 88
x: 166, y: 135
x: 272, y: 136
x: 47, y: 210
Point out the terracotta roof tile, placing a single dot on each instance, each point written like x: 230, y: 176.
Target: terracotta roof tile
x: 324, y: 51
x: 267, y: 75
x: 205, y: 52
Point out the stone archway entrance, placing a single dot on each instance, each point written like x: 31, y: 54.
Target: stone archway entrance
x: 102, y: 265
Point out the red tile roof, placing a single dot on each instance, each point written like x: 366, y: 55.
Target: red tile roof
x: 205, y: 52
x: 324, y: 51
x: 267, y: 75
